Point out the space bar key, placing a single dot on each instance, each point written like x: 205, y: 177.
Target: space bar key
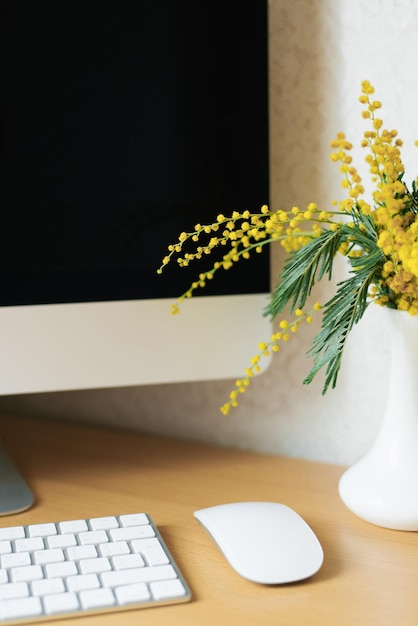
x: 138, y: 575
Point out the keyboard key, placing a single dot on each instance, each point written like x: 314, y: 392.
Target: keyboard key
x: 5, y: 547
x: 14, y: 590
x: 42, y: 557
x: 81, y: 552
x: 61, y: 570
x: 93, y: 537
x: 83, y: 581
x: 114, y: 548
x: 31, y: 572
x: 167, y: 589
x: 47, y: 585
x: 73, y: 526
x: 128, y: 594
x: 90, y: 566
x: 103, y: 523
x: 134, y: 519
x: 151, y: 549
x: 96, y: 598
x: 126, y: 561
x: 13, y: 532
x: 21, y: 608
x: 61, y: 602
x: 61, y: 541
x: 41, y: 530
x: 16, y: 559
x: 132, y: 532
x: 29, y: 544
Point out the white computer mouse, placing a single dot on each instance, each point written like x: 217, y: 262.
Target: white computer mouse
x: 266, y: 542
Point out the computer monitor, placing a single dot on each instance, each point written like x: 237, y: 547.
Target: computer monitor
x: 122, y: 124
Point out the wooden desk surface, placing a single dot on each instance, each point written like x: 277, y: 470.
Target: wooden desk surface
x: 369, y: 575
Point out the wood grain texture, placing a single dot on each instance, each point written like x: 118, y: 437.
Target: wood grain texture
x: 369, y: 575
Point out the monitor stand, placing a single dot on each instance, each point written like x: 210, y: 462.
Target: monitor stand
x: 15, y: 495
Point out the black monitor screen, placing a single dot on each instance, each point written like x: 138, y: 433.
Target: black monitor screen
x: 121, y: 124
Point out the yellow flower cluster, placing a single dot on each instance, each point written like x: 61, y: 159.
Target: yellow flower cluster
x: 397, y: 225
x: 351, y: 178
x: 265, y: 349
x: 296, y: 237
x: 242, y: 234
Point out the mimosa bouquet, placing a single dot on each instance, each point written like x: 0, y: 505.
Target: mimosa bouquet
x: 378, y: 236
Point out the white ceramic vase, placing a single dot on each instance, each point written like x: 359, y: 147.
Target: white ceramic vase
x: 382, y: 488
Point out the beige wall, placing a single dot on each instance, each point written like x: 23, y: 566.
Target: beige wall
x: 320, y: 50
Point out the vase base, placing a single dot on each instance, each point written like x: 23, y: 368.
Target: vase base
x: 378, y: 501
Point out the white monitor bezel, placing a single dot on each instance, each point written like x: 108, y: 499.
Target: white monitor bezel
x: 126, y: 343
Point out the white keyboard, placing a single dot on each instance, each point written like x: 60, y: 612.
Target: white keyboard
x: 75, y: 567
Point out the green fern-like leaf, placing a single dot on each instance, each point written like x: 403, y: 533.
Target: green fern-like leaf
x: 340, y: 315
x: 304, y: 268
x: 308, y: 265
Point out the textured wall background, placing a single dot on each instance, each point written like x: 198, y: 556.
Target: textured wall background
x: 320, y: 51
